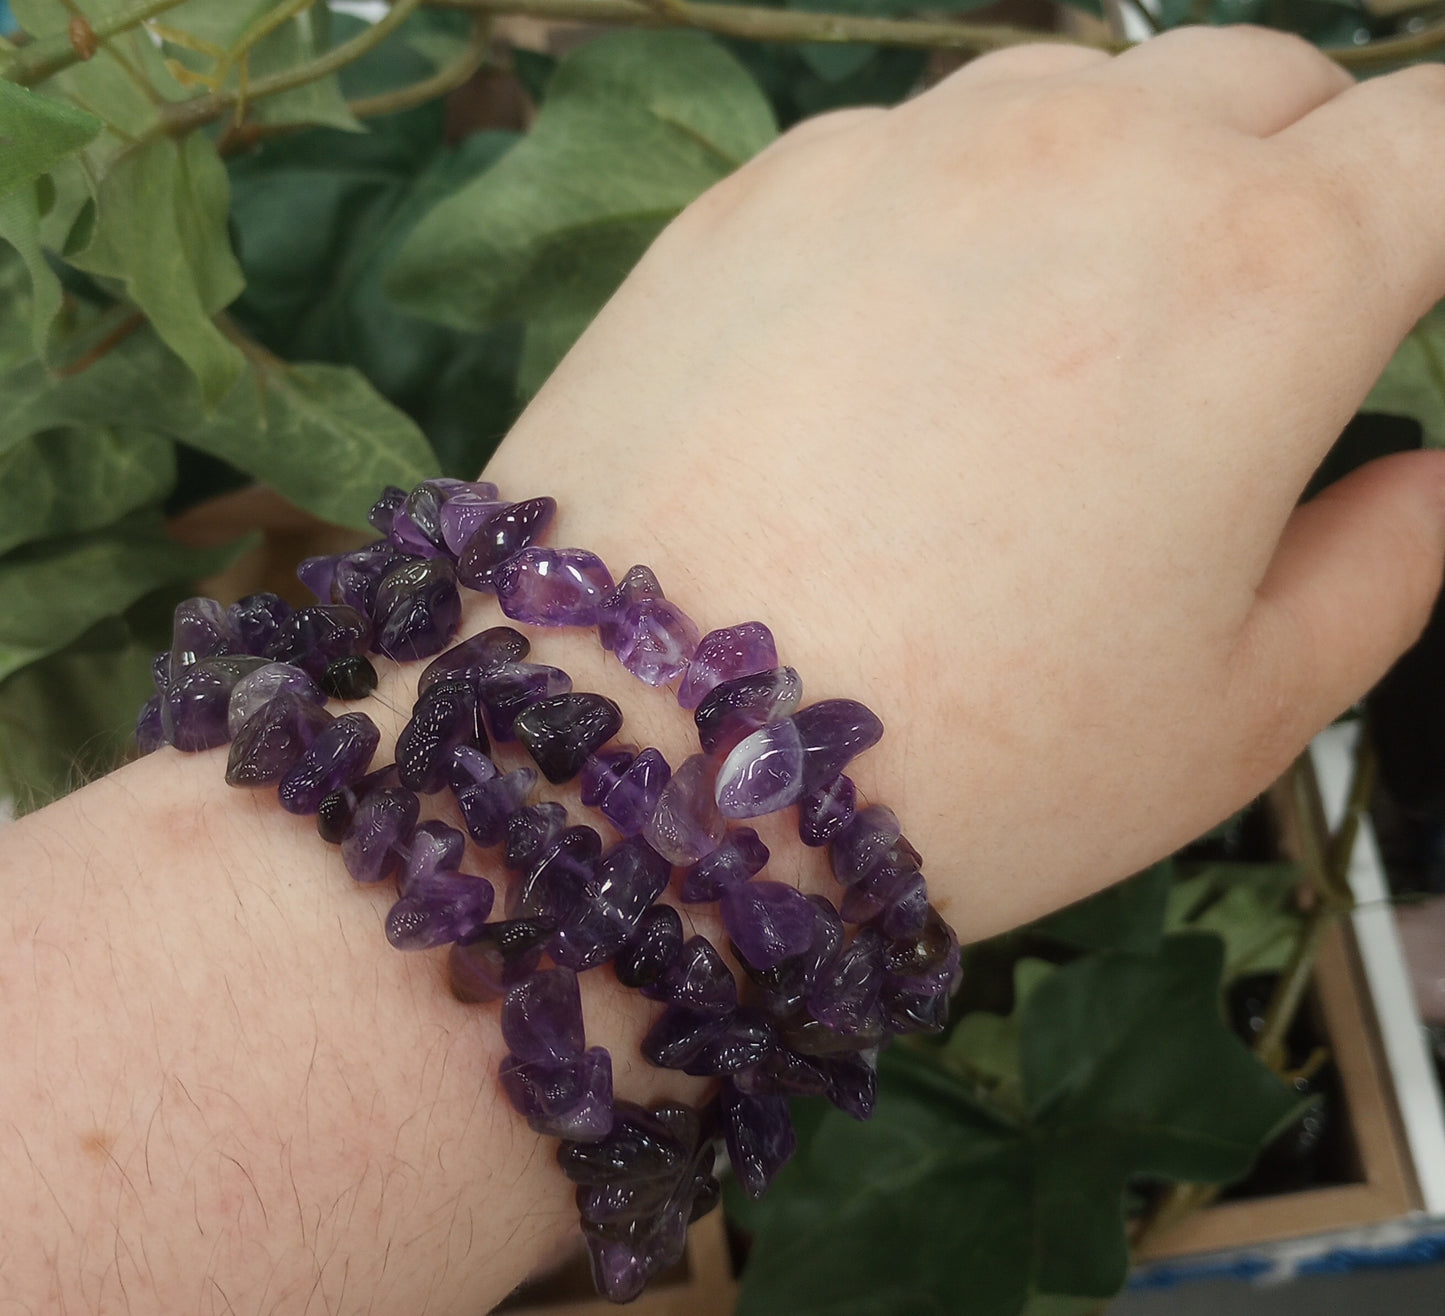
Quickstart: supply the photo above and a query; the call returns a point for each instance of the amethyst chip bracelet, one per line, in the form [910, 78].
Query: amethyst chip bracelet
[822, 987]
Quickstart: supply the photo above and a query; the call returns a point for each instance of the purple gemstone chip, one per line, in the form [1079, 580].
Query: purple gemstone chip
[512, 687]
[195, 705]
[636, 585]
[562, 732]
[733, 710]
[553, 586]
[198, 630]
[686, 824]
[760, 1138]
[650, 951]
[442, 719]
[487, 806]
[741, 855]
[380, 830]
[768, 922]
[697, 978]
[655, 641]
[481, 655]
[417, 609]
[273, 739]
[542, 1017]
[255, 690]
[631, 802]
[603, 771]
[340, 754]
[563, 1099]
[254, 620]
[439, 908]
[725, 655]
[626, 882]
[825, 812]
[505, 533]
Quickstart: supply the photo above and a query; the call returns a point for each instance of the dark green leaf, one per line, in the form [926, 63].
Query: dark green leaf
[20, 227]
[160, 231]
[68, 481]
[635, 125]
[1250, 907]
[1413, 384]
[534, 70]
[1126, 916]
[50, 594]
[1127, 1069]
[36, 133]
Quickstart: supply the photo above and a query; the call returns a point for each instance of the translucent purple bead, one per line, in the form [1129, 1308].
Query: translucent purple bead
[786, 986]
[434, 848]
[462, 515]
[254, 620]
[556, 880]
[725, 655]
[359, 574]
[708, 1045]
[603, 771]
[149, 735]
[768, 921]
[442, 719]
[741, 855]
[553, 586]
[194, 707]
[481, 968]
[563, 1099]
[774, 767]
[530, 831]
[502, 535]
[655, 641]
[273, 739]
[315, 636]
[686, 824]
[380, 830]
[650, 951]
[256, 689]
[340, 754]
[486, 806]
[845, 997]
[760, 1138]
[349, 678]
[481, 655]
[336, 810]
[513, 687]
[735, 709]
[637, 584]
[318, 574]
[418, 609]
[384, 508]
[542, 1017]
[825, 812]
[627, 880]
[416, 524]
[640, 1148]
[697, 978]
[562, 732]
[863, 844]
[439, 908]
[633, 798]
[198, 630]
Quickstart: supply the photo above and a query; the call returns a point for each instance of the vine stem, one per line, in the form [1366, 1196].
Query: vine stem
[182, 116]
[50, 55]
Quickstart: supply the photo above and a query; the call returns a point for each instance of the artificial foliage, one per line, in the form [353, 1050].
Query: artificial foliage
[249, 241]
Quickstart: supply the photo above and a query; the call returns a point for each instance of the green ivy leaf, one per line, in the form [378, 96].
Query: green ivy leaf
[1126, 916]
[69, 481]
[317, 434]
[1250, 907]
[1413, 384]
[52, 593]
[36, 133]
[1127, 1068]
[635, 125]
[20, 227]
[160, 230]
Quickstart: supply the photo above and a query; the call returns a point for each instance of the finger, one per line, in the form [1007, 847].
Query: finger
[1350, 588]
[1249, 78]
[1040, 59]
[1376, 150]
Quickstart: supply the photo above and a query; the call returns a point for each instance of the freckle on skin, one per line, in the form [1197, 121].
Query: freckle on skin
[96, 1144]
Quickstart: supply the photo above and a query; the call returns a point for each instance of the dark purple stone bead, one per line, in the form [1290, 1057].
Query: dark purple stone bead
[725, 655]
[349, 678]
[509, 530]
[651, 949]
[655, 641]
[560, 733]
[418, 609]
[380, 830]
[639, 1149]
[542, 1017]
[443, 718]
[500, 954]
[254, 620]
[760, 1138]
[554, 884]
[914, 1012]
[563, 1099]
[686, 824]
[697, 978]
[853, 1082]
[199, 630]
[626, 882]
[637, 584]
[439, 908]
[336, 810]
[341, 753]
[619, 1271]
[416, 524]
[632, 801]
[783, 1073]
[825, 812]
[161, 671]
[273, 739]
[786, 986]
[845, 997]
[602, 771]
[318, 574]
[384, 508]
[195, 705]
[622, 1203]
[741, 855]
[892, 879]
[708, 1046]
[470, 767]
[734, 710]
[149, 735]
[483, 654]
[809, 1037]
[315, 636]
[257, 689]
[359, 573]
[515, 686]
[552, 586]
[864, 843]
[774, 767]
[679, 1035]
[922, 952]
[768, 922]
[462, 515]
[434, 848]
[487, 807]
[907, 909]
[532, 830]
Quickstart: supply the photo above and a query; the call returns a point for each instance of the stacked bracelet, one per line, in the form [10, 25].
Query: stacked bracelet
[823, 987]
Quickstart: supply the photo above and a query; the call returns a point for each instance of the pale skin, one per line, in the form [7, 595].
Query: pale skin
[996, 407]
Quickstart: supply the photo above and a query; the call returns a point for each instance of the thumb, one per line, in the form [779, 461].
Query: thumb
[1349, 589]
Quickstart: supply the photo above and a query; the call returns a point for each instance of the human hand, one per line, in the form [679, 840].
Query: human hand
[997, 406]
